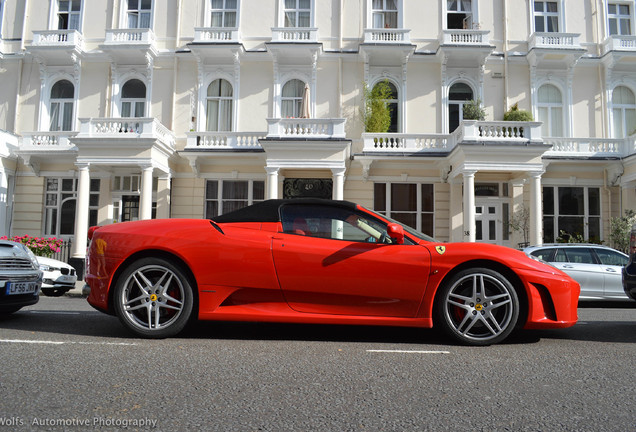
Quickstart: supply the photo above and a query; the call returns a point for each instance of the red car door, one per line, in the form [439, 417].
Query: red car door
[333, 276]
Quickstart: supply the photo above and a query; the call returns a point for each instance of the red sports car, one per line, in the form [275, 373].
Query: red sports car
[318, 261]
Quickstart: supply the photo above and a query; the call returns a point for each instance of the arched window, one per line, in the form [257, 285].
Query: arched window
[219, 106]
[392, 102]
[62, 99]
[550, 109]
[291, 99]
[623, 112]
[457, 95]
[133, 99]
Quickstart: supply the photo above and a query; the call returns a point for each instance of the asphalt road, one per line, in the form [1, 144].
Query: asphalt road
[64, 366]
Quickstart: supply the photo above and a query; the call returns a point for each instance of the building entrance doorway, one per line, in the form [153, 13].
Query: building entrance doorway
[307, 188]
[488, 221]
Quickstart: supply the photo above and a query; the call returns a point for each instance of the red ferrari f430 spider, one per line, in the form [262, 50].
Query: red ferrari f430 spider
[318, 261]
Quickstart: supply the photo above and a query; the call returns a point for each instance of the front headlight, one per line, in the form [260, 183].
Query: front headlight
[46, 268]
[34, 259]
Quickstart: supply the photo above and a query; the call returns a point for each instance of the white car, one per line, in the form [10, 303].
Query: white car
[59, 277]
[595, 267]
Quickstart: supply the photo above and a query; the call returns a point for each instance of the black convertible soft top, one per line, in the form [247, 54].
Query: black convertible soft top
[268, 211]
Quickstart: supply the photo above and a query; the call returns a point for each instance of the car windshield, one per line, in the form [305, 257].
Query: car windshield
[407, 228]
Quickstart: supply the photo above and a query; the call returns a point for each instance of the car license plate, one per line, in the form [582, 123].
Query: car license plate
[21, 288]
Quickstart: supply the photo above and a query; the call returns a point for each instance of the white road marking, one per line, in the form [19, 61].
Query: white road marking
[409, 351]
[55, 312]
[27, 341]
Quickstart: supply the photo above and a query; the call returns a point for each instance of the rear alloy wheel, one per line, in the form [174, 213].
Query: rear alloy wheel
[153, 298]
[478, 306]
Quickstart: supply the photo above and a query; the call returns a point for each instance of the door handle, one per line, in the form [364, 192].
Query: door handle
[611, 270]
[568, 266]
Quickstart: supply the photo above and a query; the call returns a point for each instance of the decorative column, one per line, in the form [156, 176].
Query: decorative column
[81, 220]
[536, 219]
[469, 206]
[145, 204]
[455, 209]
[338, 183]
[163, 196]
[272, 182]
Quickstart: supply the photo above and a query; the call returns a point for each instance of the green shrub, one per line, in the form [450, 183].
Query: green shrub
[376, 113]
[473, 111]
[515, 114]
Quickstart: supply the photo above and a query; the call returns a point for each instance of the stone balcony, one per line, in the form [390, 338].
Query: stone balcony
[126, 129]
[137, 36]
[555, 40]
[469, 132]
[387, 36]
[225, 141]
[57, 47]
[306, 128]
[204, 35]
[294, 35]
[131, 46]
[465, 37]
[600, 148]
[47, 141]
[619, 43]
[58, 38]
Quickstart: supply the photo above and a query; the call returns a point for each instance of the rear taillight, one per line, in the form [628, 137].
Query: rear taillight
[91, 230]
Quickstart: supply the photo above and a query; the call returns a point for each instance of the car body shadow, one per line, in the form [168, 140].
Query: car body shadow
[96, 324]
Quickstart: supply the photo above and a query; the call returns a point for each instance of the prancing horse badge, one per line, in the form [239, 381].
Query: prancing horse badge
[440, 249]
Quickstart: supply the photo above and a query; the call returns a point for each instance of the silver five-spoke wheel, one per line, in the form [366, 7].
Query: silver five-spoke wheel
[478, 307]
[153, 298]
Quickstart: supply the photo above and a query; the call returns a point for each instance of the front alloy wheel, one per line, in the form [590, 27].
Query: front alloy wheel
[478, 307]
[153, 298]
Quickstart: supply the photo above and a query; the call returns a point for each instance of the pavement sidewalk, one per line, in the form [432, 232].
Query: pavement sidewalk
[79, 290]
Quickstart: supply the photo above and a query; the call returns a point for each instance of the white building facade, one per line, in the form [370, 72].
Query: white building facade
[135, 109]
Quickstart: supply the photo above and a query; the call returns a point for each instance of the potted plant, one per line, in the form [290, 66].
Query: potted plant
[376, 113]
[473, 110]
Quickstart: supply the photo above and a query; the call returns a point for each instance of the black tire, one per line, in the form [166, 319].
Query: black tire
[154, 298]
[53, 292]
[477, 306]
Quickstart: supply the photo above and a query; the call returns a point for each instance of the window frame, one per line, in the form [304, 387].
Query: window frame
[471, 15]
[296, 100]
[550, 106]
[62, 197]
[283, 13]
[125, 12]
[419, 212]
[55, 12]
[559, 14]
[558, 214]
[210, 10]
[133, 101]
[218, 198]
[460, 103]
[219, 99]
[625, 132]
[619, 17]
[382, 12]
[62, 103]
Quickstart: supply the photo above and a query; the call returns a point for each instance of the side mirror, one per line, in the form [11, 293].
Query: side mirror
[396, 232]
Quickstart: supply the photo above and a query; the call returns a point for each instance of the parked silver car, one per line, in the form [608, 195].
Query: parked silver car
[595, 267]
[20, 277]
